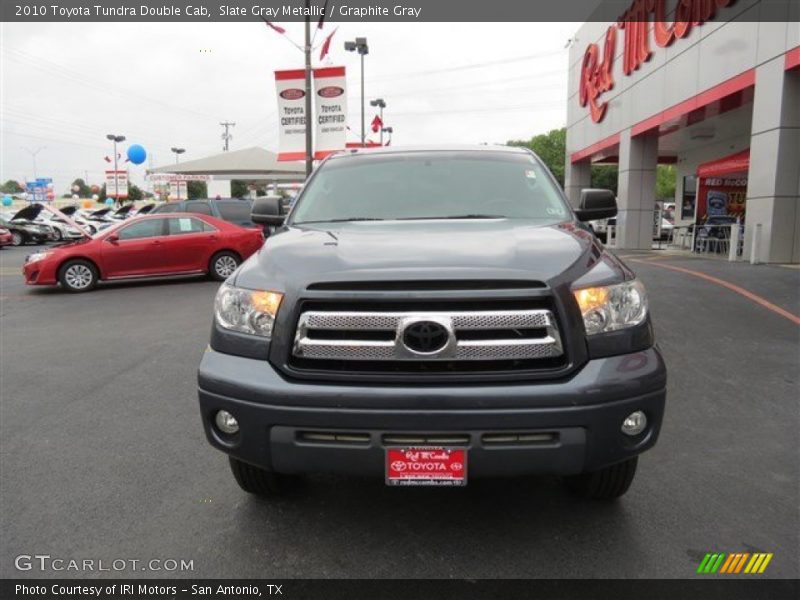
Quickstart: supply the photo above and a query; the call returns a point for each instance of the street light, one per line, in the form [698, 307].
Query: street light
[178, 152]
[360, 46]
[388, 130]
[33, 154]
[381, 104]
[116, 139]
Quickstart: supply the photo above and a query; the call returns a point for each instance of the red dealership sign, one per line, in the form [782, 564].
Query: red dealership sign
[597, 72]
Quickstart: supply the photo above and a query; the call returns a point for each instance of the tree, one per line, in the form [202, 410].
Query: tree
[83, 190]
[605, 177]
[239, 188]
[134, 193]
[196, 189]
[551, 147]
[665, 182]
[11, 187]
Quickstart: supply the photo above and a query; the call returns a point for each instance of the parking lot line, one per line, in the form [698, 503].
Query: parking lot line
[726, 284]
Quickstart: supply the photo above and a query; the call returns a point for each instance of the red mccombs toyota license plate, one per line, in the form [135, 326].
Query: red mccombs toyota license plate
[426, 466]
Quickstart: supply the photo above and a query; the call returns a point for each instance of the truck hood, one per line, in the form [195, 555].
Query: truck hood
[458, 249]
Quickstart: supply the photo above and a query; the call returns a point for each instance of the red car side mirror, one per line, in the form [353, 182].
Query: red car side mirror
[113, 238]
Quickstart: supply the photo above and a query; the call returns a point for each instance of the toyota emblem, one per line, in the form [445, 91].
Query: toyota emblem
[425, 337]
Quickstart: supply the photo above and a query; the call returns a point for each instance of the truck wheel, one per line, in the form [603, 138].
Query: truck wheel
[254, 480]
[605, 484]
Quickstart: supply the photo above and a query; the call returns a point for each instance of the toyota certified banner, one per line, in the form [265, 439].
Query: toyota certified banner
[117, 184]
[291, 114]
[330, 101]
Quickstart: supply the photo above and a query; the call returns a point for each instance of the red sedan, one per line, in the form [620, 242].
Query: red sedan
[147, 246]
[5, 237]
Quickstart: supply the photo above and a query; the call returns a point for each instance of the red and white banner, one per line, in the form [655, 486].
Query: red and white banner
[330, 99]
[178, 177]
[178, 190]
[116, 184]
[290, 86]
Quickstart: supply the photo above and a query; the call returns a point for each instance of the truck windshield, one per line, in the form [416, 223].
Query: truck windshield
[431, 185]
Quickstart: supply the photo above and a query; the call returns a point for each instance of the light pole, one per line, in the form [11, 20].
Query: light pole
[116, 139]
[178, 152]
[33, 154]
[381, 104]
[360, 46]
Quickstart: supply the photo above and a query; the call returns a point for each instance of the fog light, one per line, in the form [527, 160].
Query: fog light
[634, 423]
[226, 422]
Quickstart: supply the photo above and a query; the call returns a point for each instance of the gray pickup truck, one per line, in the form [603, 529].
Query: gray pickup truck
[427, 316]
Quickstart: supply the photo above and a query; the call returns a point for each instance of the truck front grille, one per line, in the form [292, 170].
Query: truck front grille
[427, 340]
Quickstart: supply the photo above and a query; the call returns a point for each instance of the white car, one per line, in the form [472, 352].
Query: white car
[62, 229]
[75, 214]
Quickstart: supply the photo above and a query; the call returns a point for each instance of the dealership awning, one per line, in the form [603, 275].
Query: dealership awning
[251, 164]
[727, 165]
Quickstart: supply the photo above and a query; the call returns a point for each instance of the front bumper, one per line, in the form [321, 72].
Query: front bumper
[41, 272]
[582, 416]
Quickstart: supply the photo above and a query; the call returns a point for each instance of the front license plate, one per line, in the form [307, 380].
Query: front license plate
[426, 466]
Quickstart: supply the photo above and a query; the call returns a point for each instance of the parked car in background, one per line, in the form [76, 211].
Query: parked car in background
[5, 237]
[73, 213]
[143, 210]
[100, 217]
[233, 210]
[24, 230]
[666, 228]
[600, 228]
[123, 212]
[147, 246]
[61, 229]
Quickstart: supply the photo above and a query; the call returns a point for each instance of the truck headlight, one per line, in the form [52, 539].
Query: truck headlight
[248, 311]
[612, 307]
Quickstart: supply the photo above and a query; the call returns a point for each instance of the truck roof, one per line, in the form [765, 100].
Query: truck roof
[429, 149]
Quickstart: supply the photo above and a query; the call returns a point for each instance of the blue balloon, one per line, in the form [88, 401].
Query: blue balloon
[136, 154]
[7, 200]
[109, 201]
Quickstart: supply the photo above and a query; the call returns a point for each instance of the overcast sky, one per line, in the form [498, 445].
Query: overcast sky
[66, 85]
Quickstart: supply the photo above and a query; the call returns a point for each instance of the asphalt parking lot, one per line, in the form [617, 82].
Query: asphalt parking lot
[103, 455]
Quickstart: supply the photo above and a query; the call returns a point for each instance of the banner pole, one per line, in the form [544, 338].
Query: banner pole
[309, 119]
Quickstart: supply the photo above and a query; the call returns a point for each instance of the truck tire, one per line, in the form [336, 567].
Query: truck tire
[255, 480]
[606, 484]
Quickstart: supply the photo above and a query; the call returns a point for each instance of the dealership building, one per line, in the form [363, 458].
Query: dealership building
[709, 87]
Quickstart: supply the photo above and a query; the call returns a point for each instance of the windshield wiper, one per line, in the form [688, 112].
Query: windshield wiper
[470, 216]
[349, 220]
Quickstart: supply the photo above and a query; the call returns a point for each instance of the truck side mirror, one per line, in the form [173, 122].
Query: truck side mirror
[596, 204]
[267, 211]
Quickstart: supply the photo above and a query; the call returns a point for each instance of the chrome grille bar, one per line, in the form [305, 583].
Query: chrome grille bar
[309, 344]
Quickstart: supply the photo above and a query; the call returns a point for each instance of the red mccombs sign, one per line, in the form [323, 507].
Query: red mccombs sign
[597, 71]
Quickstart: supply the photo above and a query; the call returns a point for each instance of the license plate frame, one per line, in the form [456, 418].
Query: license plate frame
[437, 466]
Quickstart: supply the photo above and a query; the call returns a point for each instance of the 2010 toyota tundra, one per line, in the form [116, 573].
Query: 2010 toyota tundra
[427, 316]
